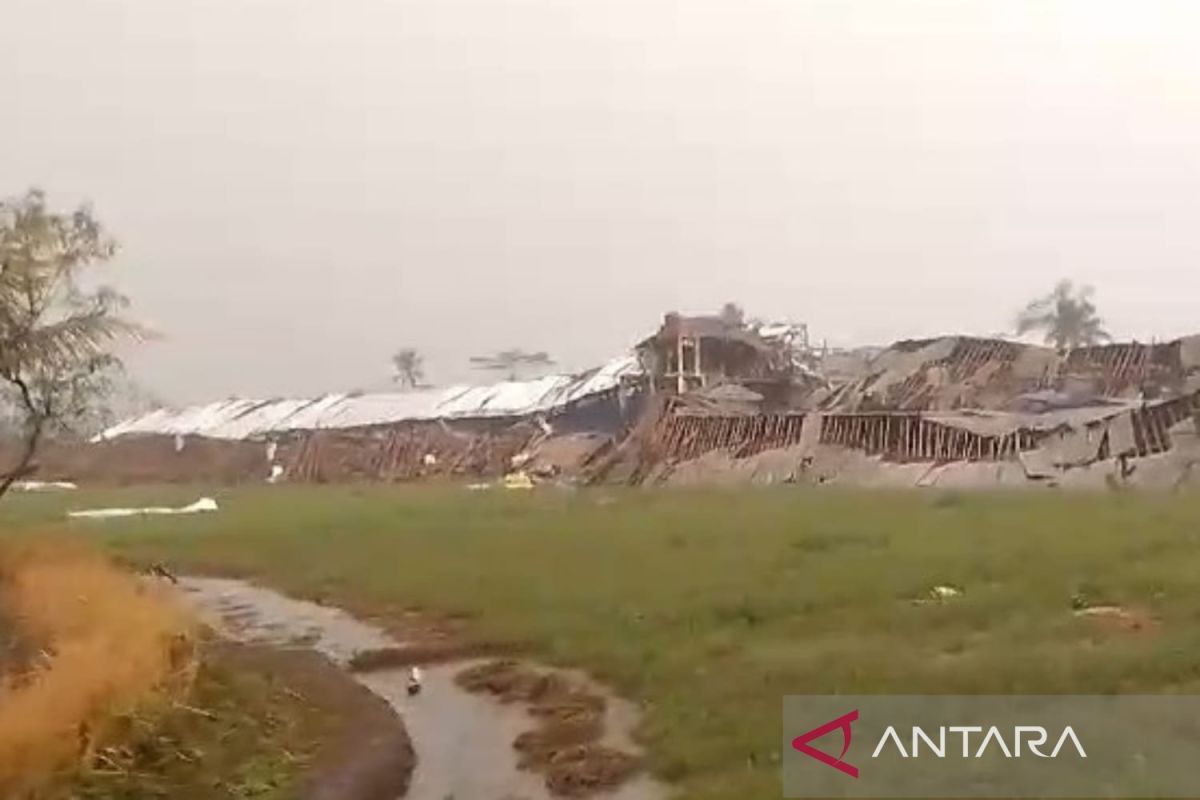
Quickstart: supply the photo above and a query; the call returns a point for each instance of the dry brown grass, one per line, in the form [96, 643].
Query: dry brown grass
[110, 645]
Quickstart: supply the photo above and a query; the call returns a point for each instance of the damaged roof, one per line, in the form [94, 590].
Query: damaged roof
[954, 372]
[241, 419]
[704, 327]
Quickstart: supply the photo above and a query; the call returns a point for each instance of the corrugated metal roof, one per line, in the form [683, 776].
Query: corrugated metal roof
[240, 419]
[263, 417]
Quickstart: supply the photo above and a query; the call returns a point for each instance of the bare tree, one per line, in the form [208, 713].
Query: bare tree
[55, 335]
[512, 362]
[1067, 316]
[410, 367]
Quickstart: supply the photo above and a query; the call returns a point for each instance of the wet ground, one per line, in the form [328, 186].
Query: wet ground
[463, 741]
[363, 752]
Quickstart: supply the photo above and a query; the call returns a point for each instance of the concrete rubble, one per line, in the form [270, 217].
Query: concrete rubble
[955, 412]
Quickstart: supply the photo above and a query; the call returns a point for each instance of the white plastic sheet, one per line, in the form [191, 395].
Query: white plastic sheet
[203, 505]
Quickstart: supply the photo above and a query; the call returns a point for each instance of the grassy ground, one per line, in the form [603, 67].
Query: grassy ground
[101, 698]
[241, 735]
[709, 607]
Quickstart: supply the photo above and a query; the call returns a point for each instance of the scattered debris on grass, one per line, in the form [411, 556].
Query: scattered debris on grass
[939, 594]
[43, 486]
[204, 504]
[518, 480]
[1118, 617]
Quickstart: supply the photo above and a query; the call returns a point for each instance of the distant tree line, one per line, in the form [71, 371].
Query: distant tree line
[408, 365]
[1066, 317]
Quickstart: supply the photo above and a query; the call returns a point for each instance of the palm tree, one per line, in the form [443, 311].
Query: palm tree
[512, 362]
[1067, 316]
[410, 367]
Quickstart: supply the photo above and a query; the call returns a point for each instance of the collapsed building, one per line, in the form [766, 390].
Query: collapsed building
[708, 401]
[952, 411]
[549, 426]
[766, 367]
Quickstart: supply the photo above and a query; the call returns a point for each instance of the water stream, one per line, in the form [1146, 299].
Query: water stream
[463, 741]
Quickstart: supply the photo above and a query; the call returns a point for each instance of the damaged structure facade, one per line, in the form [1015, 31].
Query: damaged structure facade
[953, 411]
[707, 401]
[551, 425]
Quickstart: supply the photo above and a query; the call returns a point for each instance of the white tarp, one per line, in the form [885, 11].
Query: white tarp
[202, 505]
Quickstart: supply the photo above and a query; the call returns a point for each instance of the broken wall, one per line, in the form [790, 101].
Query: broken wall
[924, 449]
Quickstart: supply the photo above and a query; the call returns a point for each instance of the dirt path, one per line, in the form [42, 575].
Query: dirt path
[464, 736]
[365, 753]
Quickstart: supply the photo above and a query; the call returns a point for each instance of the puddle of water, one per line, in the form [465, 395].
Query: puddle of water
[463, 741]
[248, 613]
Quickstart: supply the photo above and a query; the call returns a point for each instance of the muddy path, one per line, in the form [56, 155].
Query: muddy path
[464, 730]
[364, 754]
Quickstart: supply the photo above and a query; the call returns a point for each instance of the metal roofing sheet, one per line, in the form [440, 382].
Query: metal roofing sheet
[310, 416]
[261, 417]
[239, 419]
[206, 417]
[508, 399]
[375, 409]
[601, 379]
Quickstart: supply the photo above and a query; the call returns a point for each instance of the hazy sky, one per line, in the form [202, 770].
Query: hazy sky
[301, 186]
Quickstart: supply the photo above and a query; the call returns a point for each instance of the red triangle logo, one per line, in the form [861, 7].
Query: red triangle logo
[801, 743]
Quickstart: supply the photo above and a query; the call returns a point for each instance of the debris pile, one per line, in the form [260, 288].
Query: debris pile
[955, 411]
[404, 452]
[956, 372]
[817, 447]
[706, 400]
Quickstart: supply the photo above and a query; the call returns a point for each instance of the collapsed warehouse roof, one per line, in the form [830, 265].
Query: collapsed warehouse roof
[243, 419]
[1153, 444]
[955, 372]
[949, 411]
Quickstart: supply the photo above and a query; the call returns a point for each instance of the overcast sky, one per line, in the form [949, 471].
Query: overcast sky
[300, 187]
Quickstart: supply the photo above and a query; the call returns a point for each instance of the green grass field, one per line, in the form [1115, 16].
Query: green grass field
[709, 607]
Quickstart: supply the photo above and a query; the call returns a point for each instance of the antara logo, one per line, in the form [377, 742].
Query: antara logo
[801, 743]
[1033, 737]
